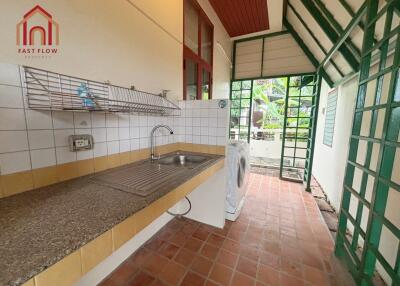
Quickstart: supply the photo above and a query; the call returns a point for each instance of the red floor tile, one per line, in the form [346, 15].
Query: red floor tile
[193, 279]
[279, 239]
[221, 274]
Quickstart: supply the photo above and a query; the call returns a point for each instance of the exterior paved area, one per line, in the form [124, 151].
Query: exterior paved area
[280, 239]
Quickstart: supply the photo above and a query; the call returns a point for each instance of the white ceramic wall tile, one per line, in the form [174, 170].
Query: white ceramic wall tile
[64, 155]
[135, 145]
[124, 146]
[143, 132]
[212, 140]
[111, 120]
[133, 120]
[81, 131]
[61, 137]
[123, 133]
[134, 132]
[112, 134]
[99, 135]
[63, 120]
[12, 119]
[204, 139]
[84, 155]
[123, 120]
[144, 143]
[196, 139]
[9, 74]
[11, 96]
[112, 147]
[143, 120]
[14, 162]
[98, 119]
[40, 139]
[82, 120]
[43, 158]
[38, 119]
[11, 141]
[100, 149]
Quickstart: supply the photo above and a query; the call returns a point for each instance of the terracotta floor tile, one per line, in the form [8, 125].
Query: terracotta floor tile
[193, 279]
[216, 240]
[169, 250]
[124, 272]
[193, 244]
[247, 266]
[154, 244]
[173, 273]
[184, 257]
[201, 265]
[268, 275]
[139, 257]
[201, 234]
[178, 238]
[211, 283]
[155, 264]
[270, 259]
[227, 258]
[292, 267]
[141, 279]
[279, 239]
[221, 274]
[287, 280]
[315, 276]
[209, 251]
[240, 279]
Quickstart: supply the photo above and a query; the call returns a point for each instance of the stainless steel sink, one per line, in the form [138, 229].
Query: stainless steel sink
[185, 160]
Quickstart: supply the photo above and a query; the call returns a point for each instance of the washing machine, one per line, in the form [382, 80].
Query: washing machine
[238, 166]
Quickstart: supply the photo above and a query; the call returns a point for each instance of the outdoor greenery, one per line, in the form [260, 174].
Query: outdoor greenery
[268, 102]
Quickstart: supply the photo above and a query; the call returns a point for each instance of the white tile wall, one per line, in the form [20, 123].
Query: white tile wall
[36, 139]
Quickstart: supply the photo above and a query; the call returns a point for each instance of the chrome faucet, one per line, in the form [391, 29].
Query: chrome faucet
[152, 139]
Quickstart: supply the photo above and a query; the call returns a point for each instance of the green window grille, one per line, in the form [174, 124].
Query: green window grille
[372, 184]
[330, 115]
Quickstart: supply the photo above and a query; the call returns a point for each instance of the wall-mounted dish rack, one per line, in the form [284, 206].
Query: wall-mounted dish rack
[47, 90]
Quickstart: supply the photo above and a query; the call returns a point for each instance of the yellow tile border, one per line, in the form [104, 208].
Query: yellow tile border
[16, 183]
[71, 268]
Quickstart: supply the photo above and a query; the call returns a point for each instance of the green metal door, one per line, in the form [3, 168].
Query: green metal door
[240, 112]
[301, 105]
[369, 221]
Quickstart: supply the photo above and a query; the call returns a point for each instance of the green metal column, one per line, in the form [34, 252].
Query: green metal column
[374, 153]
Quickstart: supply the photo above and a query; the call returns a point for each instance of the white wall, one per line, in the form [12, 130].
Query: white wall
[134, 42]
[330, 162]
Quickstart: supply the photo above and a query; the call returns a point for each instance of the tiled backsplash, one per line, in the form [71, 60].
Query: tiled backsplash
[33, 139]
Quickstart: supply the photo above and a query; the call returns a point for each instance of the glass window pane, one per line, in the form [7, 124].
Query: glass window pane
[191, 37]
[206, 42]
[191, 79]
[205, 88]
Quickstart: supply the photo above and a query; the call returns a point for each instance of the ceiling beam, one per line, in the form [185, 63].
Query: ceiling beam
[308, 53]
[331, 33]
[314, 38]
[353, 23]
[336, 25]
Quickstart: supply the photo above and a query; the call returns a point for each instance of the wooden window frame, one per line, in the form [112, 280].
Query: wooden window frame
[197, 58]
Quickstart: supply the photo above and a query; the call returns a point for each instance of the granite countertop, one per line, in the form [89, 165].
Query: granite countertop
[41, 227]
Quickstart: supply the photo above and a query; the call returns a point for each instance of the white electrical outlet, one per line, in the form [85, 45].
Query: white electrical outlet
[80, 142]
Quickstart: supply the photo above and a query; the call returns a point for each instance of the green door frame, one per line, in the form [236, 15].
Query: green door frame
[241, 96]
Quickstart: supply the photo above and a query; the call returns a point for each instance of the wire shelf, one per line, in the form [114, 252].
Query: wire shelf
[47, 90]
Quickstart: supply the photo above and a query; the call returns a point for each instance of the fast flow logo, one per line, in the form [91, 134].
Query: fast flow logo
[38, 33]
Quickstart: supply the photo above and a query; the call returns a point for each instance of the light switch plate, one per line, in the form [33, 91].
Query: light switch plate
[80, 142]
